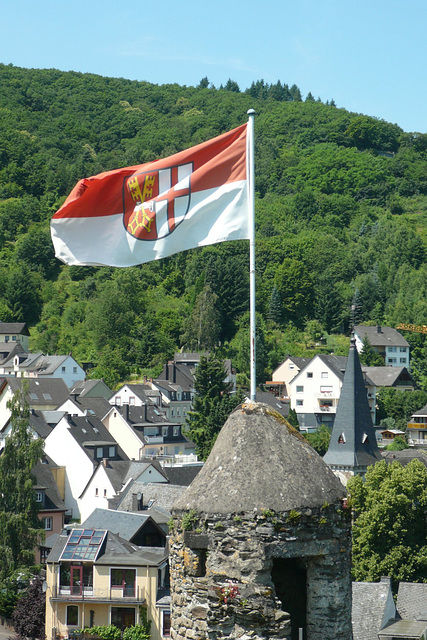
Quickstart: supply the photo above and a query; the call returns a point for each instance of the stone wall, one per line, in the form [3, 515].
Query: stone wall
[226, 570]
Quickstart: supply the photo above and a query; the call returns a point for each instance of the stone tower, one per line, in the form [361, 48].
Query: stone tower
[353, 445]
[260, 544]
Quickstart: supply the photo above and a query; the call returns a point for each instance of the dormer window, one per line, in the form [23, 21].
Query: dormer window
[341, 439]
[39, 496]
[365, 438]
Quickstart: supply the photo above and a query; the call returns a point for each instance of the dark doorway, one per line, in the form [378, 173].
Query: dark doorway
[289, 576]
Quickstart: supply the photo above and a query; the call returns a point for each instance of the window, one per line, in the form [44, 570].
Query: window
[300, 389]
[132, 400]
[392, 360]
[176, 431]
[402, 349]
[99, 452]
[63, 369]
[402, 360]
[74, 369]
[165, 431]
[341, 439]
[392, 349]
[172, 413]
[72, 615]
[309, 374]
[47, 523]
[105, 493]
[111, 452]
[117, 401]
[324, 374]
[124, 579]
[96, 491]
[39, 496]
[123, 617]
[178, 412]
[166, 623]
[13, 338]
[300, 403]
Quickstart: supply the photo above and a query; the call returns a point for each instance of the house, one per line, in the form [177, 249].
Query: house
[96, 577]
[386, 377]
[405, 456]
[37, 365]
[283, 374]
[386, 341]
[111, 477]
[136, 395]
[14, 332]
[145, 431]
[417, 428]
[41, 395]
[51, 505]
[77, 405]
[80, 444]
[316, 389]
[388, 435]
[91, 389]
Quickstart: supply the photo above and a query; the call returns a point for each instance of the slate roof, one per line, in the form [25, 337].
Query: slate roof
[372, 608]
[115, 551]
[51, 391]
[119, 472]
[260, 462]
[353, 442]
[179, 374]
[14, 327]
[126, 525]
[182, 476]
[98, 407]
[412, 600]
[405, 629]
[39, 425]
[388, 376]
[50, 417]
[381, 336]
[405, 456]
[84, 387]
[268, 398]
[44, 479]
[146, 414]
[420, 412]
[163, 495]
[9, 350]
[89, 432]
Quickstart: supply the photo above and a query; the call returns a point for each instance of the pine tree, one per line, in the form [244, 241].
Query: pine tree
[212, 405]
[20, 528]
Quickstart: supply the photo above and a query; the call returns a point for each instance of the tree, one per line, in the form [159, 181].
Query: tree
[28, 618]
[212, 404]
[202, 328]
[319, 440]
[398, 444]
[368, 355]
[389, 532]
[20, 528]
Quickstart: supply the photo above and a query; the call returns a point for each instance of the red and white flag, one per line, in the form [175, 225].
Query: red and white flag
[137, 214]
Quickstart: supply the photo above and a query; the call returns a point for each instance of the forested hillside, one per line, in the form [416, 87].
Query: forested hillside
[340, 212]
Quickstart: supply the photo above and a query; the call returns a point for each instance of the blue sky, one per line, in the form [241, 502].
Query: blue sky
[368, 55]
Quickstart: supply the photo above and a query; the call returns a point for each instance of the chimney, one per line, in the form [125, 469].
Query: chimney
[379, 329]
[167, 371]
[145, 412]
[105, 462]
[126, 412]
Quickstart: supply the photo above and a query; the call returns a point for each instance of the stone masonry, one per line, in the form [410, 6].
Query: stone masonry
[278, 559]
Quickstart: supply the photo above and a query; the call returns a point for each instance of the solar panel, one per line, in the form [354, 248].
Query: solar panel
[83, 544]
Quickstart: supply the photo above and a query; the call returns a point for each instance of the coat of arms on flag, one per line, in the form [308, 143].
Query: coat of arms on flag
[156, 202]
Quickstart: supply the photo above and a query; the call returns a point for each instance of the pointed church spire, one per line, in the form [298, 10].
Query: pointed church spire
[353, 445]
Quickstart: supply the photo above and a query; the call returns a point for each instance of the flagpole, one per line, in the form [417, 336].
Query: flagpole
[251, 214]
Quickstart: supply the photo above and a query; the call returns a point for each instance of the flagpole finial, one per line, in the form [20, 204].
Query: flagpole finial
[251, 112]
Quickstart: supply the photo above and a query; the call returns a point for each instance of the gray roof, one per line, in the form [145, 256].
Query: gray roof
[44, 480]
[381, 336]
[372, 608]
[420, 412]
[14, 327]
[388, 376]
[268, 398]
[412, 600]
[175, 373]
[39, 424]
[405, 629]
[353, 442]
[405, 456]
[9, 349]
[126, 525]
[90, 432]
[98, 407]
[41, 391]
[43, 365]
[162, 494]
[115, 551]
[298, 362]
[86, 388]
[260, 462]
[182, 476]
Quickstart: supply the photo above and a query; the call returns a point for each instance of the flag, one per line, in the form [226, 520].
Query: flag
[137, 214]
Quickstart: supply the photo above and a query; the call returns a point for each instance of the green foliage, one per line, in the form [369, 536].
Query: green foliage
[319, 440]
[369, 356]
[399, 405]
[20, 528]
[106, 632]
[389, 533]
[212, 405]
[189, 519]
[398, 444]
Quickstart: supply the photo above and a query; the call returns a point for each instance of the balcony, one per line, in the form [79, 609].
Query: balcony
[96, 594]
[417, 441]
[417, 425]
[153, 439]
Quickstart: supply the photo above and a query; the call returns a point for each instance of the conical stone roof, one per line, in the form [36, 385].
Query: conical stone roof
[260, 462]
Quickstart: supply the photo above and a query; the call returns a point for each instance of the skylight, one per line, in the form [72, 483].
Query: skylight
[83, 544]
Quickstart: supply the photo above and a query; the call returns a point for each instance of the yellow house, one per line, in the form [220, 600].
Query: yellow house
[95, 577]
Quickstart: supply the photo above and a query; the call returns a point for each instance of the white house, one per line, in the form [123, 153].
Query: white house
[316, 389]
[283, 374]
[386, 341]
[15, 332]
[37, 365]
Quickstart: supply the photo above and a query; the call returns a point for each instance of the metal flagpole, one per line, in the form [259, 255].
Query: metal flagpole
[251, 213]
